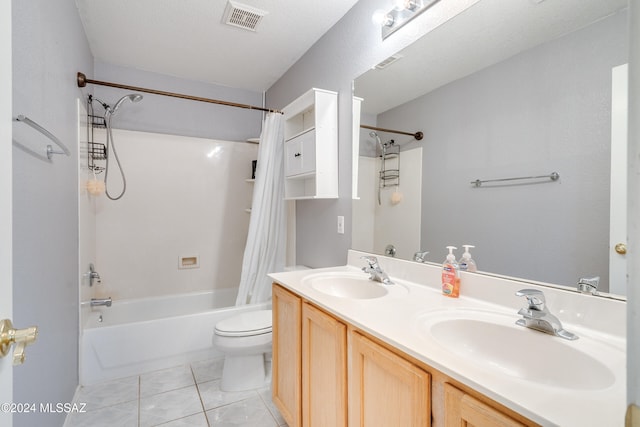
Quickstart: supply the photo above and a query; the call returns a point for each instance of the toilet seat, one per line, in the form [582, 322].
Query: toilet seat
[245, 324]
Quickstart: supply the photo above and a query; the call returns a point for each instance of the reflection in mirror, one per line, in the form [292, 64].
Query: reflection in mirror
[503, 90]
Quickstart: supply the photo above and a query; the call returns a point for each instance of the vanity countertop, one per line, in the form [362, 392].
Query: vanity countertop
[401, 319]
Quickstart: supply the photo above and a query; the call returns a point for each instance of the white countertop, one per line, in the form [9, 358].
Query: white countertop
[397, 319]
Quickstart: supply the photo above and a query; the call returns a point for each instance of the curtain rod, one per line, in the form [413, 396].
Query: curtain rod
[83, 80]
[416, 135]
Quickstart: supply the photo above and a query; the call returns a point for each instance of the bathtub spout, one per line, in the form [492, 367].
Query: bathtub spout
[101, 301]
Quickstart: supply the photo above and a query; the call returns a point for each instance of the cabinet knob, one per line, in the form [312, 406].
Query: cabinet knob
[297, 155]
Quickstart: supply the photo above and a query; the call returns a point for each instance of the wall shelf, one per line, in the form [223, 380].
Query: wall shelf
[311, 146]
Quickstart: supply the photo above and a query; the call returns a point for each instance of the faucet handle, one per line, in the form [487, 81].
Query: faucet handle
[535, 298]
[589, 285]
[373, 261]
[420, 256]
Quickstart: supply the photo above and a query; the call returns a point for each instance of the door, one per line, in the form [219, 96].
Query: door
[618, 206]
[462, 409]
[286, 363]
[324, 369]
[6, 297]
[385, 389]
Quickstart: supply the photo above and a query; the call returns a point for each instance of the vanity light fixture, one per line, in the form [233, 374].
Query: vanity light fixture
[403, 12]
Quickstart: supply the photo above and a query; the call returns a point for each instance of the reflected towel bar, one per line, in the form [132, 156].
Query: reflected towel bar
[50, 151]
[553, 176]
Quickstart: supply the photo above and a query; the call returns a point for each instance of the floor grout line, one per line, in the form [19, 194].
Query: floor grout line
[139, 398]
[195, 381]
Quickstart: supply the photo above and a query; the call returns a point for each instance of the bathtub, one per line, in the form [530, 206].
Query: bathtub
[142, 335]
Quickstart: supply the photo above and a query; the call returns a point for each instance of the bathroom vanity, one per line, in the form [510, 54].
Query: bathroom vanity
[350, 351]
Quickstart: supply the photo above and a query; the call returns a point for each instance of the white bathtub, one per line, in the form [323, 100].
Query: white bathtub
[142, 335]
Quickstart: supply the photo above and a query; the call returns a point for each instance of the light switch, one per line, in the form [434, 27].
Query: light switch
[340, 224]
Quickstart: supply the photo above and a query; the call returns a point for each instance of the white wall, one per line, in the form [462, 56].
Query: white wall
[633, 309]
[6, 302]
[185, 196]
[49, 46]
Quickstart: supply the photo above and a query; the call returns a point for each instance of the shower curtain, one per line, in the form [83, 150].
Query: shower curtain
[265, 249]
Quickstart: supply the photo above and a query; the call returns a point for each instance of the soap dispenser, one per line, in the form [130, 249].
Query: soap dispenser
[466, 262]
[450, 275]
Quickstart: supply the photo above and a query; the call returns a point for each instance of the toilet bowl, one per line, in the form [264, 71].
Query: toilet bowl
[244, 339]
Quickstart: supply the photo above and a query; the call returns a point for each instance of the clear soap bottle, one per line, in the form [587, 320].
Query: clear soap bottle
[467, 263]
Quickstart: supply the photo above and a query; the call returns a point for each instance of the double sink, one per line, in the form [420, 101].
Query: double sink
[487, 339]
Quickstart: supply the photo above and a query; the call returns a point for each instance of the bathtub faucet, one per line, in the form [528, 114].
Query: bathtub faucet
[95, 302]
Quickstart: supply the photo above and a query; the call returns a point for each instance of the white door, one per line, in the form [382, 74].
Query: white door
[6, 299]
[618, 206]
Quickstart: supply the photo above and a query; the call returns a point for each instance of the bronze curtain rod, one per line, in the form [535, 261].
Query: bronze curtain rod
[416, 135]
[83, 80]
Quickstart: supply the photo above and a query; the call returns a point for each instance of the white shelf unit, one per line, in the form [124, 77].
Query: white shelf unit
[311, 146]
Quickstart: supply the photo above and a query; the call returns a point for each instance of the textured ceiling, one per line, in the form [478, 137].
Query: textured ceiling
[188, 39]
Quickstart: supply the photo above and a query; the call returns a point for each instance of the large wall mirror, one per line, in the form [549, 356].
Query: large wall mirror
[506, 89]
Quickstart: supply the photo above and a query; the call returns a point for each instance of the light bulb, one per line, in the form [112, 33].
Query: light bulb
[378, 17]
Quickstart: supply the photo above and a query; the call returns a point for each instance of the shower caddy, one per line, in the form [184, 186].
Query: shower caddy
[95, 150]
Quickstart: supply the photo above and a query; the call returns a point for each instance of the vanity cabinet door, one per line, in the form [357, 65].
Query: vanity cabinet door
[324, 369]
[286, 361]
[385, 389]
[462, 409]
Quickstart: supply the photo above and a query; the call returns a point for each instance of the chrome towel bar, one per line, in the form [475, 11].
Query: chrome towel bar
[36, 126]
[553, 176]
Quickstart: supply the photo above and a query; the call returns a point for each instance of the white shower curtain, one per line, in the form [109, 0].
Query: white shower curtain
[265, 250]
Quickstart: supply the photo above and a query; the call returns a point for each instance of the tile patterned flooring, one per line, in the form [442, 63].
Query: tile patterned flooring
[186, 395]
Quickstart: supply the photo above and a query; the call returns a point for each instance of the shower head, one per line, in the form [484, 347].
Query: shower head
[134, 97]
[374, 134]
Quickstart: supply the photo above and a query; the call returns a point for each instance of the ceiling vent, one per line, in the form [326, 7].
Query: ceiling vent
[243, 16]
[390, 60]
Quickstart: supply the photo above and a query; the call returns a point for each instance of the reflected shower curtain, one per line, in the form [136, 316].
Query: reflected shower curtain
[265, 249]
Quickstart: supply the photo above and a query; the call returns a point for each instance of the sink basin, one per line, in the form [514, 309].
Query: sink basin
[492, 341]
[350, 285]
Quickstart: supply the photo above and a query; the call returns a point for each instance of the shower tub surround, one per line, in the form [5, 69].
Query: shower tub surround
[141, 335]
[186, 198]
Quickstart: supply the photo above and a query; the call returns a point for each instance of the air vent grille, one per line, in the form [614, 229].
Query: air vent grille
[390, 60]
[243, 16]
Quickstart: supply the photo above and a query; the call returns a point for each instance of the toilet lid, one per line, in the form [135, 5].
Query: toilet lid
[245, 324]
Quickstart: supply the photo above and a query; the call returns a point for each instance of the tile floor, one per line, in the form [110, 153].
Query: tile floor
[186, 395]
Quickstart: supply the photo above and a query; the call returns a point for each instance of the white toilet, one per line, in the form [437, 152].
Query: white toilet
[244, 339]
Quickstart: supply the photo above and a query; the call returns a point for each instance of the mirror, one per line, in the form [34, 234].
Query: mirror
[503, 90]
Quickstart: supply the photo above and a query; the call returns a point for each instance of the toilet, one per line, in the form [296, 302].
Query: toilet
[244, 339]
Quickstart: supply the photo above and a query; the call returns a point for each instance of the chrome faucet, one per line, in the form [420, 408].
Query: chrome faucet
[537, 316]
[95, 302]
[420, 256]
[589, 285]
[374, 270]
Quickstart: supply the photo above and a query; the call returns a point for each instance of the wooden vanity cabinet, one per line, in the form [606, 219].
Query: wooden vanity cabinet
[309, 384]
[327, 373]
[385, 389]
[286, 362]
[462, 409]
